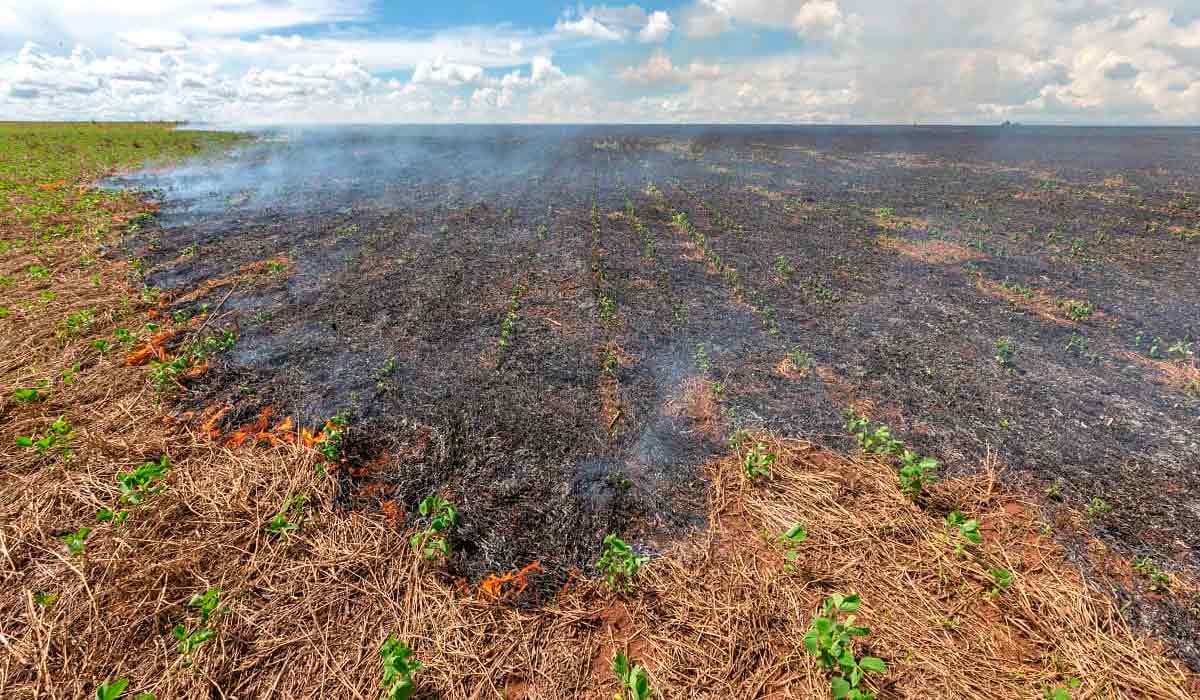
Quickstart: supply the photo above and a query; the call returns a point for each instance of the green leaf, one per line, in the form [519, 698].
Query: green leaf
[111, 691]
[873, 664]
[620, 667]
[840, 687]
[24, 442]
[641, 684]
[850, 603]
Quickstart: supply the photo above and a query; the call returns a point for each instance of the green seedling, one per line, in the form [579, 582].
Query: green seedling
[634, 682]
[101, 345]
[968, 531]
[140, 483]
[190, 641]
[619, 563]
[1098, 508]
[916, 473]
[1001, 580]
[289, 516]
[26, 395]
[1159, 581]
[163, 375]
[208, 604]
[111, 690]
[1005, 351]
[1078, 310]
[791, 541]
[108, 515]
[872, 441]
[703, 363]
[608, 308]
[57, 437]
[336, 429]
[1061, 692]
[784, 268]
[398, 669]
[45, 600]
[831, 641]
[76, 542]
[801, 360]
[38, 272]
[758, 462]
[433, 542]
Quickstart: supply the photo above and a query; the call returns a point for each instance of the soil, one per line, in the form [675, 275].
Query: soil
[909, 253]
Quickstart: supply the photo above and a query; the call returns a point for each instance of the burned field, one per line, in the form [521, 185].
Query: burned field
[556, 327]
[346, 395]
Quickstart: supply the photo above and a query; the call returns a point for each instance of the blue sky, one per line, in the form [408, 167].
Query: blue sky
[778, 61]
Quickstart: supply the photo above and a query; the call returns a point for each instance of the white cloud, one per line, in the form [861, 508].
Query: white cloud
[81, 19]
[659, 69]
[658, 27]
[589, 27]
[814, 19]
[154, 40]
[605, 23]
[442, 72]
[542, 70]
[1096, 61]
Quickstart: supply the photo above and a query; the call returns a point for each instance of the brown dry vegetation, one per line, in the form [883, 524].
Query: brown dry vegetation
[717, 616]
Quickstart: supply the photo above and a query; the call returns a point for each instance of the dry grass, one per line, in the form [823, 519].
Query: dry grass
[716, 617]
[932, 251]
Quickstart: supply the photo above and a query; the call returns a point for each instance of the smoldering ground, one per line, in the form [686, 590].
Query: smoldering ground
[875, 268]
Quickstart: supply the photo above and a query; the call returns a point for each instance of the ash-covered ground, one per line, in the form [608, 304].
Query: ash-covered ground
[1029, 292]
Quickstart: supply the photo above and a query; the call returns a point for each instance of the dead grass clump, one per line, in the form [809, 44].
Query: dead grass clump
[1040, 303]
[1181, 374]
[932, 251]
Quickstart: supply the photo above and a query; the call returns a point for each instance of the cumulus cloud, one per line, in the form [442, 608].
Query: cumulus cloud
[660, 69]
[605, 23]
[658, 27]
[1095, 61]
[588, 26]
[154, 40]
[814, 19]
[442, 72]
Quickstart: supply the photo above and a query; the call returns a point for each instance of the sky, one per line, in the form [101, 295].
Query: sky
[539, 61]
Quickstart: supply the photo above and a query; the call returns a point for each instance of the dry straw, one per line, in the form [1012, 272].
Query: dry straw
[718, 617]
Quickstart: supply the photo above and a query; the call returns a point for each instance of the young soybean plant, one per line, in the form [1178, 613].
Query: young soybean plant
[209, 605]
[432, 541]
[916, 472]
[398, 669]
[115, 689]
[832, 641]
[877, 441]
[619, 564]
[139, 484]
[758, 462]
[635, 684]
[791, 541]
[968, 531]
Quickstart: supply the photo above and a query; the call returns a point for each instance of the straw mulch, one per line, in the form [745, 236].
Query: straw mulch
[719, 616]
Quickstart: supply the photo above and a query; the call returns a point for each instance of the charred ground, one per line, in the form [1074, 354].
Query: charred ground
[395, 256]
